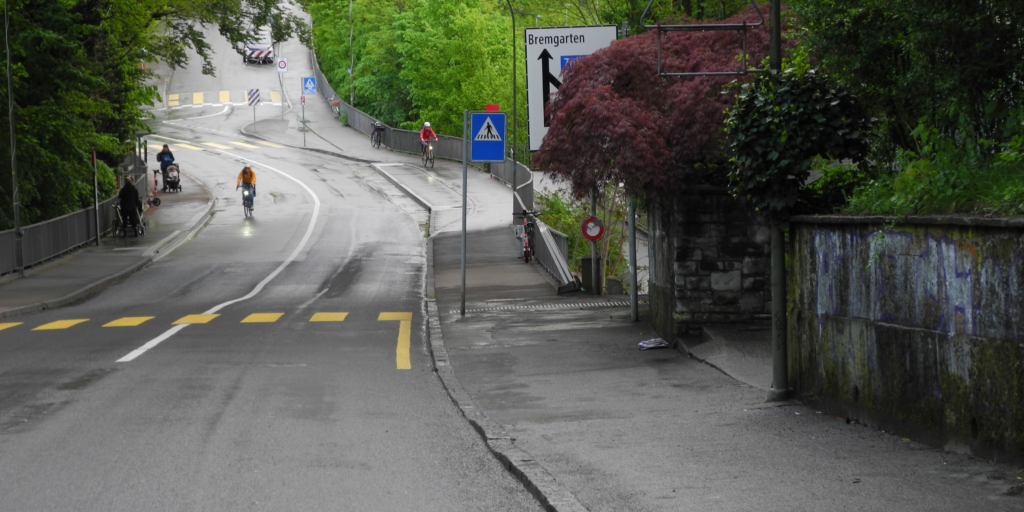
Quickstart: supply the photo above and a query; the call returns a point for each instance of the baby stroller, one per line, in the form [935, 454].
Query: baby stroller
[258, 54]
[172, 179]
[122, 222]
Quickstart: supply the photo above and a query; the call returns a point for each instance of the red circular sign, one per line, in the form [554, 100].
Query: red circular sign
[302, 99]
[592, 228]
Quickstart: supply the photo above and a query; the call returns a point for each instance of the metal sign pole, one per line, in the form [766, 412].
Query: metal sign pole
[465, 173]
[593, 248]
[634, 292]
[303, 124]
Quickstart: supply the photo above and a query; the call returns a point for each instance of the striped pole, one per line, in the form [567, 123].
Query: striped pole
[254, 98]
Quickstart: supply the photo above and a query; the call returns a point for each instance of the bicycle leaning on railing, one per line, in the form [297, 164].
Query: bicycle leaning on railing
[528, 232]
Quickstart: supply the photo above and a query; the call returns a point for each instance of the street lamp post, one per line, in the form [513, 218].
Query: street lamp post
[515, 166]
[18, 263]
[351, 59]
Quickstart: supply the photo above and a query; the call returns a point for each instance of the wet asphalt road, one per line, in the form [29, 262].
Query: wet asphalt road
[313, 392]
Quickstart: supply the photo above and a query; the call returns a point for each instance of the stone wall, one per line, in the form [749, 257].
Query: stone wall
[720, 253]
[916, 328]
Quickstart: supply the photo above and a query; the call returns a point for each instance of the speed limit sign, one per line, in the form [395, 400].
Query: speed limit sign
[592, 228]
[282, 64]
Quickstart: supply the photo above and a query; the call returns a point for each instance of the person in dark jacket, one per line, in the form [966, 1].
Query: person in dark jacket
[166, 158]
[131, 205]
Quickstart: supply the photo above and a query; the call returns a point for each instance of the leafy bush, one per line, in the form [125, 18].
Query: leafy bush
[949, 174]
[779, 125]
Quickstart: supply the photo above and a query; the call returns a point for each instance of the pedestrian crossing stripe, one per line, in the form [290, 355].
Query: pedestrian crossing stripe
[60, 324]
[271, 144]
[188, 146]
[262, 318]
[172, 100]
[8, 325]
[328, 317]
[197, 98]
[129, 321]
[224, 96]
[215, 145]
[275, 96]
[194, 319]
[244, 145]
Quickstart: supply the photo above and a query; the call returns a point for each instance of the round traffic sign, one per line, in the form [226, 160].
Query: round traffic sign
[302, 99]
[282, 64]
[592, 228]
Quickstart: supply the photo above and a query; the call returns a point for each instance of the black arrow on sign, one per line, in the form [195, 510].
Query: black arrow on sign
[547, 80]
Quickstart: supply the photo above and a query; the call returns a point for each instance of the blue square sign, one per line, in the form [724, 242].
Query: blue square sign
[487, 137]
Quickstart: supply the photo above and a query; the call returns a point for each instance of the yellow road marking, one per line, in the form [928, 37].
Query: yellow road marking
[275, 96]
[195, 319]
[172, 103]
[215, 145]
[197, 98]
[225, 97]
[244, 145]
[188, 146]
[129, 321]
[60, 324]
[172, 97]
[262, 318]
[9, 325]
[271, 144]
[404, 334]
[245, 97]
[328, 317]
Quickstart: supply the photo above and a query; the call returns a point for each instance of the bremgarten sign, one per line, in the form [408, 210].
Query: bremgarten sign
[548, 51]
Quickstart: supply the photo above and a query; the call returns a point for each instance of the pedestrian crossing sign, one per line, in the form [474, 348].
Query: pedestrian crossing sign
[309, 85]
[487, 137]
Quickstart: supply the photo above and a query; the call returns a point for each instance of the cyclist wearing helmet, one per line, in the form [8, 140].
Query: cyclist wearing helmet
[426, 135]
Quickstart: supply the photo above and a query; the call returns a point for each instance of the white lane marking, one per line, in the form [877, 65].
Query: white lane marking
[298, 249]
[222, 112]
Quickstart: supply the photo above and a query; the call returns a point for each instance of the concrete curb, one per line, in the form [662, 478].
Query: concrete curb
[105, 282]
[537, 480]
[412, 195]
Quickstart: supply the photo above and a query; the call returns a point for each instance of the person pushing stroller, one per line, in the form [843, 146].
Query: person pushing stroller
[166, 159]
[131, 206]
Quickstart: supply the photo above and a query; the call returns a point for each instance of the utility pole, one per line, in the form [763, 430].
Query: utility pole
[351, 59]
[780, 380]
[515, 165]
[18, 256]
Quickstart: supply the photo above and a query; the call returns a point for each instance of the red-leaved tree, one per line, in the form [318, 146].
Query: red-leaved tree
[614, 120]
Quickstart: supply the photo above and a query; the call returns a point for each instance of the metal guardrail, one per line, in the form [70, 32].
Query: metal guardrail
[49, 239]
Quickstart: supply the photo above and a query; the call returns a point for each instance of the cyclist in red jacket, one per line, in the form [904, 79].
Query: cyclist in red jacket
[426, 135]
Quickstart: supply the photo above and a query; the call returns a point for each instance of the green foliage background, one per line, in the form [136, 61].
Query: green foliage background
[78, 83]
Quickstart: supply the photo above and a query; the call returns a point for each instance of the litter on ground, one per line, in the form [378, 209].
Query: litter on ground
[653, 343]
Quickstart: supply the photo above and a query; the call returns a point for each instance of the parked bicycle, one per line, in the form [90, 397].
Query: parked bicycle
[377, 135]
[528, 230]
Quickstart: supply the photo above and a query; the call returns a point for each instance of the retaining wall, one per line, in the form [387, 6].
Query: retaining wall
[915, 328]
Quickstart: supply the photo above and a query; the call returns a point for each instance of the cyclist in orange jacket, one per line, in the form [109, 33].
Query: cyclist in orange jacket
[247, 179]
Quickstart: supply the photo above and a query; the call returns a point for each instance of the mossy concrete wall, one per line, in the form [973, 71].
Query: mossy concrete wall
[915, 328]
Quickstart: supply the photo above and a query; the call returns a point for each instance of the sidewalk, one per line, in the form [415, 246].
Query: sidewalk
[558, 390]
[89, 269]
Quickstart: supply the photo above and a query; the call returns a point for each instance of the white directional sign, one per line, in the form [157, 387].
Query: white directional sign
[282, 64]
[309, 85]
[548, 51]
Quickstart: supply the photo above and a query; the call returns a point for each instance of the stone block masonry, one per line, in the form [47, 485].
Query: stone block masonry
[917, 328]
[718, 272]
